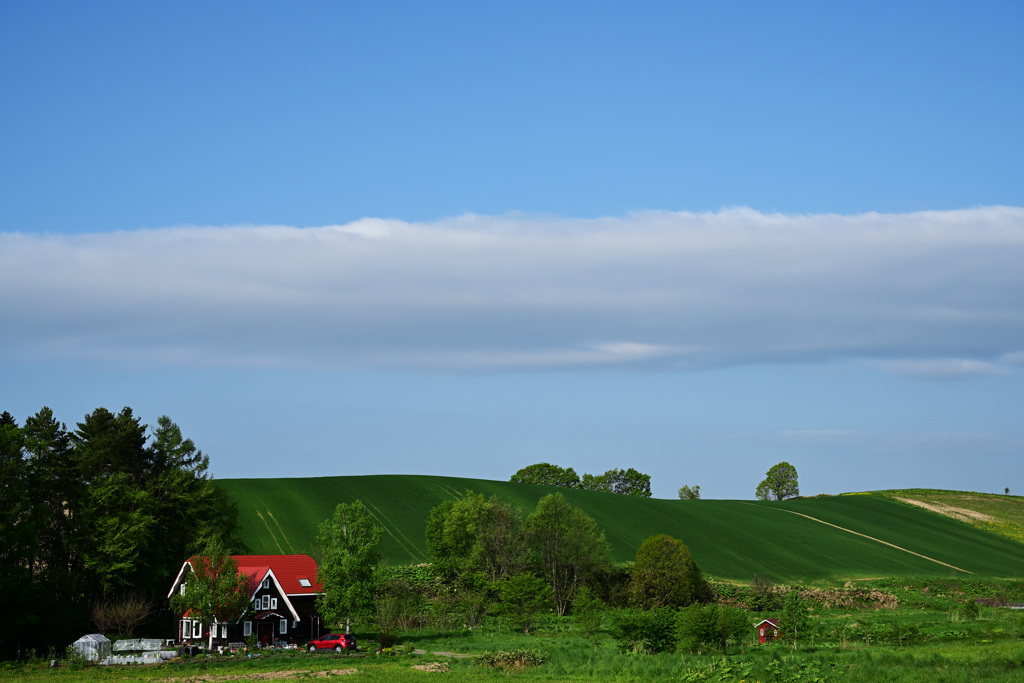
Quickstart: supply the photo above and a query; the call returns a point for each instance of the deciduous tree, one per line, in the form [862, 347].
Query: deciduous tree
[665, 574]
[569, 546]
[780, 482]
[215, 592]
[689, 493]
[347, 546]
[476, 535]
[547, 475]
[523, 597]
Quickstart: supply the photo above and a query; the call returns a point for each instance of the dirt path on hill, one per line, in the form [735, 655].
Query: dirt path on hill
[876, 540]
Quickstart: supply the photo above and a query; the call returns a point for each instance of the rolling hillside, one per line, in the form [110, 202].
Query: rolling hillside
[817, 539]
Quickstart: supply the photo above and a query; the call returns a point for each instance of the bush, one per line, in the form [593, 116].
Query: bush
[588, 611]
[512, 659]
[699, 628]
[646, 631]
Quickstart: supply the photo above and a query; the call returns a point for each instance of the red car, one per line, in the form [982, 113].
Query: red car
[333, 641]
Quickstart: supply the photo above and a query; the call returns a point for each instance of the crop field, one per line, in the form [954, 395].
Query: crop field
[822, 540]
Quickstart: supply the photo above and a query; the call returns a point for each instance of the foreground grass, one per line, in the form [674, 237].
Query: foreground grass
[953, 664]
[990, 648]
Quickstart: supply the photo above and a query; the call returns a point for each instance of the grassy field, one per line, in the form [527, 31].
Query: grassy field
[824, 540]
[1000, 514]
[846, 645]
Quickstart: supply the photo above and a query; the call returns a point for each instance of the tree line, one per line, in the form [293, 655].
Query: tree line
[92, 517]
[628, 482]
[491, 559]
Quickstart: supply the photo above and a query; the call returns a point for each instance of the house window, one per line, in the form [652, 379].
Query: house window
[186, 630]
[305, 583]
[247, 628]
[182, 590]
[266, 583]
[224, 630]
[284, 626]
[197, 629]
[273, 603]
[266, 602]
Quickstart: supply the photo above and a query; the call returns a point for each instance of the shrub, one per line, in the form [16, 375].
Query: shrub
[699, 628]
[512, 659]
[646, 631]
[588, 611]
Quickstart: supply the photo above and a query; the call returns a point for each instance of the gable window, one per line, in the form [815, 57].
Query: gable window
[284, 626]
[273, 603]
[247, 628]
[266, 602]
[266, 583]
[183, 584]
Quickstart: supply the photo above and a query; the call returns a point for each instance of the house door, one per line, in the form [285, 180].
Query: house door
[265, 630]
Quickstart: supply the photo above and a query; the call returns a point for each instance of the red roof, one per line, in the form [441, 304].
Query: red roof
[288, 569]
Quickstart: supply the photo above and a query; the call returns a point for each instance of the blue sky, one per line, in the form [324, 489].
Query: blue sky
[461, 238]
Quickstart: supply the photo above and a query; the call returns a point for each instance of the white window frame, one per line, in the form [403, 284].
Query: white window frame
[284, 626]
[197, 628]
[186, 629]
[266, 602]
[181, 591]
[266, 583]
[247, 628]
[273, 603]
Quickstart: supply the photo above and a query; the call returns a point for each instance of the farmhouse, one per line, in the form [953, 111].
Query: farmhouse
[283, 590]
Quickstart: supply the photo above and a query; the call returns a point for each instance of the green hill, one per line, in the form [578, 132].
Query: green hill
[823, 539]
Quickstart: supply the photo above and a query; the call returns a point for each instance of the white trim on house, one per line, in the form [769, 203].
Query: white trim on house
[280, 591]
[177, 579]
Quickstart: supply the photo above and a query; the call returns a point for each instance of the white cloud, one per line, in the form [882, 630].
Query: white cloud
[927, 294]
[941, 368]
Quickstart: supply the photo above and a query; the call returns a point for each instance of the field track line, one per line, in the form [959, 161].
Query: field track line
[377, 514]
[269, 531]
[278, 525]
[872, 538]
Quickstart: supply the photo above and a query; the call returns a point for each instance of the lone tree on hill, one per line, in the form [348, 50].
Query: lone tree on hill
[689, 493]
[780, 482]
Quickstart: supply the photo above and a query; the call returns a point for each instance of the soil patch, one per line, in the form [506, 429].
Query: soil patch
[962, 514]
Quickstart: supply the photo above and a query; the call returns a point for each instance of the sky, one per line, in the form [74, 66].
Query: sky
[696, 239]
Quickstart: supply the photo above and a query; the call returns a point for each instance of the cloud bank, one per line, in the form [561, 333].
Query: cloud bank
[928, 293]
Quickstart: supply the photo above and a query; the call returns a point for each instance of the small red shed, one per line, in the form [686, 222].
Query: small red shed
[767, 630]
